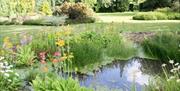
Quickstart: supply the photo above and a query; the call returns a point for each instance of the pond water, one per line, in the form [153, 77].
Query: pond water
[122, 75]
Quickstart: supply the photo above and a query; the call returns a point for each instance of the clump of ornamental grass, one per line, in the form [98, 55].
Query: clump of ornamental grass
[163, 46]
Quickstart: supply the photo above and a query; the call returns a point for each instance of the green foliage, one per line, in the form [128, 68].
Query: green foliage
[16, 7]
[122, 5]
[44, 42]
[87, 49]
[154, 4]
[173, 16]
[90, 3]
[24, 56]
[163, 46]
[150, 16]
[92, 47]
[117, 46]
[55, 83]
[45, 8]
[176, 6]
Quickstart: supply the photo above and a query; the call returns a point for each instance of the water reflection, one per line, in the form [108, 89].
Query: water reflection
[121, 75]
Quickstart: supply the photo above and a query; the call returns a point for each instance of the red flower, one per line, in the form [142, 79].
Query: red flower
[57, 54]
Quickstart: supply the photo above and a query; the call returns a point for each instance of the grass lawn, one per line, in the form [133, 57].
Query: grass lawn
[125, 27]
[117, 14]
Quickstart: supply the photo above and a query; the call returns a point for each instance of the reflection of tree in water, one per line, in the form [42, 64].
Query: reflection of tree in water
[151, 67]
[122, 65]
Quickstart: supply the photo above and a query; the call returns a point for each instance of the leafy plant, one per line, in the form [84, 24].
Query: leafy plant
[56, 83]
[25, 56]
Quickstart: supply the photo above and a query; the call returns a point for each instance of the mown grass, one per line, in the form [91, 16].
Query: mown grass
[117, 14]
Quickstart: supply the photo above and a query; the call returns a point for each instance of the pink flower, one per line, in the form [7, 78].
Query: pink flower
[42, 55]
[57, 54]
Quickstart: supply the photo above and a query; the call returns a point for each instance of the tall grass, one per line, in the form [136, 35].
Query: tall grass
[92, 47]
[164, 46]
[117, 46]
[44, 42]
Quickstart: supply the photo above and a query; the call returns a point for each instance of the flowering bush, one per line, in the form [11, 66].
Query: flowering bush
[9, 80]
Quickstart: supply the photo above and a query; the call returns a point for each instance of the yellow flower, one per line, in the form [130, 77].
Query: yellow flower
[58, 34]
[6, 39]
[67, 33]
[60, 43]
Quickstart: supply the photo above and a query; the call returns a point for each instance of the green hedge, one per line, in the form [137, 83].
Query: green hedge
[157, 16]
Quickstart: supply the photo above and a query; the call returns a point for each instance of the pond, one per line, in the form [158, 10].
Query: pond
[122, 75]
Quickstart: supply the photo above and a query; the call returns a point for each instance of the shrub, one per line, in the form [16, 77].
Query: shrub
[163, 46]
[176, 6]
[122, 5]
[45, 8]
[77, 12]
[154, 4]
[150, 16]
[55, 83]
[173, 16]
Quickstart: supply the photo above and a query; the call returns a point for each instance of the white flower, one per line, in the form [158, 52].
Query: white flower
[6, 74]
[16, 74]
[178, 80]
[176, 64]
[179, 67]
[10, 66]
[1, 64]
[171, 61]
[168, 80]
[2, 71]
[172, 77]
[6, 63]
[1, 58]
[172, 70]
[9, 80]
[163, 65]
[9, 71]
